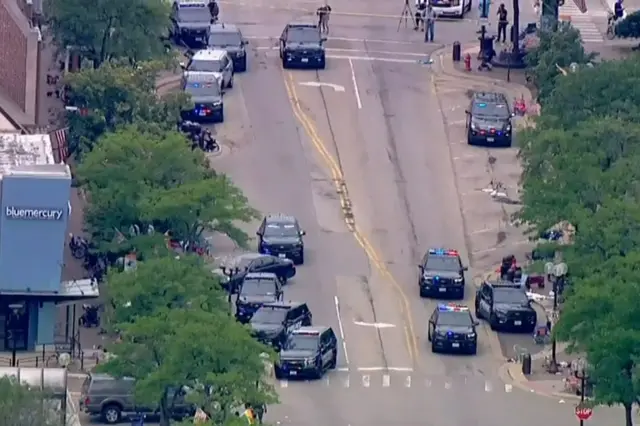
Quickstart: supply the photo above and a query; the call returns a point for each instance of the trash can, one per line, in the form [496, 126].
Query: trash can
[526, 364]
[456, 51]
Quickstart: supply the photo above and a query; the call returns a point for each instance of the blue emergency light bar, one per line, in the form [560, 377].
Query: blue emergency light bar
[452, 307]
[481, 105]
[443, 252]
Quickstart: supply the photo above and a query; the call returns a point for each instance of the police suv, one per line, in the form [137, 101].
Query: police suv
[213, 61]
[441, 274]
[257, 288]
[272, 322]
[190, 20]
[280, 235]
[228, 37]
[453, 329]
[506, 306]
[308, 352]
[206, 93]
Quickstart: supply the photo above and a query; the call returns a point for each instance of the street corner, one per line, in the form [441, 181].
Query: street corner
[552, 387]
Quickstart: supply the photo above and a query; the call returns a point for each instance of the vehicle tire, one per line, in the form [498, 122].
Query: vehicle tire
[319, 370]
[230, 85]
[478, 312]
[470, 141]
[469, 6]
[474, 350]
[300, 259]
[334, 360]
[111, 414]
[493, 322]
[433, 348]
[429, 337]
[277, 372]
[285, 65]
[322, 64]
[508, 143]
[221, 117]
[423, 293]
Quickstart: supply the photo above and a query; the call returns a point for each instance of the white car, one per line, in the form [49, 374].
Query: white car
[451, 8]
[213, 61]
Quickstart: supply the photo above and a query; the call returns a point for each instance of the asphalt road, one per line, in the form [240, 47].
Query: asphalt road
[388, 136]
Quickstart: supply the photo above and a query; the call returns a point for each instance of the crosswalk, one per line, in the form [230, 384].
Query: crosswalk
[584, 22]
[394, 380]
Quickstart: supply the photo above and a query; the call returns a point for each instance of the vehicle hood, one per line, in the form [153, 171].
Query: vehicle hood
[194, 26]
[441, 274]
[490, 122]
[293, 354]
[282, 240]
[512, 307]
[257, 299]
[206, 99]
[231, 48]
[266, 329]
[303, 46]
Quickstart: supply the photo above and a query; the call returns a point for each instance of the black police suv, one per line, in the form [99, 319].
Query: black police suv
[308, 352]
[190, 21]
[506, 306]
[257, 288]
[441, 274]
[272, 322]
[281, 235]
[453, 329]
[229, 37]
[237, 267]
[302, 45]
[489, 120]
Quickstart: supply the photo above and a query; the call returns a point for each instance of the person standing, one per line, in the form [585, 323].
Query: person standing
[421, 7]
[324, 13]
[502, 22]
[430, 23]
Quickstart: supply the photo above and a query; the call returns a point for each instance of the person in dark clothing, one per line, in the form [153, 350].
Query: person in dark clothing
[324, 13]
[618, 10]
[260, 410]
[502, 22]
[214, 10]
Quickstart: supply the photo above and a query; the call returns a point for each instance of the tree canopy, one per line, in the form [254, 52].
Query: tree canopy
[115, 95]
[176, 331]
[22, 406]
[629, 27]
[580, 165]
[103, 30]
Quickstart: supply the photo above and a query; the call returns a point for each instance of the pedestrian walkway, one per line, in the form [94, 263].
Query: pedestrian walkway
[584, 22]
[403, 380]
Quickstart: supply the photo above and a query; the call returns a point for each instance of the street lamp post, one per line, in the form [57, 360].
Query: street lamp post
[581, 374]
[557, 271]
[15, 307]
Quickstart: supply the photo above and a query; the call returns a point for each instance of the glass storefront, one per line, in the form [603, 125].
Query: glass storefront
[14, 324]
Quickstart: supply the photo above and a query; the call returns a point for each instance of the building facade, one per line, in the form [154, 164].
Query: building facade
[35, 211]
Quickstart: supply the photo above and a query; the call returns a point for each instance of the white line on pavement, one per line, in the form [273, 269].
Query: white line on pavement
[400, 369]
[344, 342]
[355, 84]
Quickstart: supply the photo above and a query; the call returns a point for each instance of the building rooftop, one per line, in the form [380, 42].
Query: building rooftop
[29, 155]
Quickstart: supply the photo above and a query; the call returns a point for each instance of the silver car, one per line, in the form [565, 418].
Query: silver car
[214, 61]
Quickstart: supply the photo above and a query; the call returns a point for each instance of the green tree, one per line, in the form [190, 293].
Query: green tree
[212, 204]
[556, 48]
[22, 406]
[570, 174]
[600, 319]
[115, 95]
[111, 29]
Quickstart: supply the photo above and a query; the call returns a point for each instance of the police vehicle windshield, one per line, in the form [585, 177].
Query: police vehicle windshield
[443, 263]
[224, 39]
[197, 89]
[303, 35]
[490, 109]
[258, 288]
[269, 316]
[510, 296]
[281, 230]
[194, 13]
[208, 65]
[300, 342]
[461, 319]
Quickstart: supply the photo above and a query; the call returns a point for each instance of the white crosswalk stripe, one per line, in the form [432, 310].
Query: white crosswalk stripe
[390, 379]
[583, 22]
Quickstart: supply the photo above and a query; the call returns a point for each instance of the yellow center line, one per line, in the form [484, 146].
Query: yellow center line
[347, 210]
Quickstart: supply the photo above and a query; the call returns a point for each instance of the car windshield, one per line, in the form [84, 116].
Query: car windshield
[206, 65]
[303, 35]
[197, 89]
[225, 39]
[509, 295]
[258, 288]
[194, 15]
[443, 263]
[269, 316]
[490, 109]
[455, 318]
[281, 230]
[302, 343]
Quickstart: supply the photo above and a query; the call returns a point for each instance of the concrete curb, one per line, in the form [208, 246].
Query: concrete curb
[511, 373]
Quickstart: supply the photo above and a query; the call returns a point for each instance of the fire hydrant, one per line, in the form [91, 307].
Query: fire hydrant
[467, 62]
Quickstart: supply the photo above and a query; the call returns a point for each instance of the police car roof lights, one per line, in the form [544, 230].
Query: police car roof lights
[443, 252]
[452, 307]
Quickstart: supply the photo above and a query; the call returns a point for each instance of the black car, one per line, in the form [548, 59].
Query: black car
[489, 120]
[190, 21]
[281, 235]
[237, 267]
[229, 37]
[506, 306]
[302, 45]
[256, 289]
[441, 274]
[308, 352]
[272, 322]
[453, 329]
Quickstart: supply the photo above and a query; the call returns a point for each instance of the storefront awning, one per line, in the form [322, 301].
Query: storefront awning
[70, 291]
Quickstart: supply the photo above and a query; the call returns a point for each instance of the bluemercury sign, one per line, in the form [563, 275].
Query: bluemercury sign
[33, 213]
